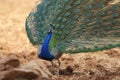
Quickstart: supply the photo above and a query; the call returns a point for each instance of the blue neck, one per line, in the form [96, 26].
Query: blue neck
[45, 54]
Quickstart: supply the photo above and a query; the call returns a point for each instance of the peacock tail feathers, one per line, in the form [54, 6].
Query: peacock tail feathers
[79, 25]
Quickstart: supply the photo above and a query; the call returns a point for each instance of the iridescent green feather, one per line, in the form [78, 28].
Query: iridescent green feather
[80, 25]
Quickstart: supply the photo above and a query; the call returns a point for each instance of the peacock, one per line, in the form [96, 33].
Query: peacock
[73, 26]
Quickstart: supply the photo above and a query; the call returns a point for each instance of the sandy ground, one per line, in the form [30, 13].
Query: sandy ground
[102, 65]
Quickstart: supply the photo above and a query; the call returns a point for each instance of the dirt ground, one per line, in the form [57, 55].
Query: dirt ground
[102, 65]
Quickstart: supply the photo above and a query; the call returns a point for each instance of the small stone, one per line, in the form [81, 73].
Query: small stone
[69, 69]
[1, 47]
[62, 72]
[29, 71]
[9, 63]
[91, 72]
[76, 65]
[17, 74]
[33, 53]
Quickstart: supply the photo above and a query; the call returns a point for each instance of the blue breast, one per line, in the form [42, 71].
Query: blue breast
[45, 54]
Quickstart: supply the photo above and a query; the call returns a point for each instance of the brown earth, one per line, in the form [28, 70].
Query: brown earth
[102, 65]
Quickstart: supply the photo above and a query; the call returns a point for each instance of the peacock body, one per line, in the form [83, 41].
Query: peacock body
[74, 26]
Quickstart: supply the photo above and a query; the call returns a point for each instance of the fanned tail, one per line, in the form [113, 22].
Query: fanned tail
[80, 25]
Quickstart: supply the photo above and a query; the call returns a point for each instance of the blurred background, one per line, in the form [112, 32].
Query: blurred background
[13, 14]
[101, 65]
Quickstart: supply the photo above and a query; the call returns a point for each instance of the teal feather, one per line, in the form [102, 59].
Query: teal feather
[79, 25]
